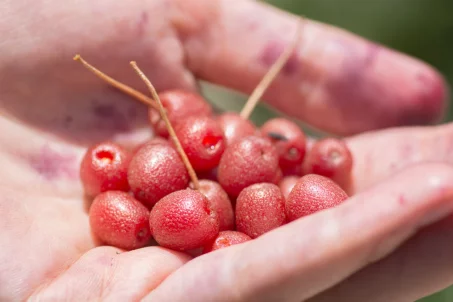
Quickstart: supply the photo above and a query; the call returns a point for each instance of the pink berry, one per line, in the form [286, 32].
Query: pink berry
[260, 208]
[183, 220]
[202, 139]
[289, 140]
[235, 127]
[226, 239]
[330, 157]
[119, 220]
[155, 171]
[179, 104]
[313, 193]
[219, 202]
[103, 168]
[245, 162]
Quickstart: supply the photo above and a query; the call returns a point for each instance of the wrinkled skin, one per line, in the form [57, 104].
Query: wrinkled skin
[52, 109]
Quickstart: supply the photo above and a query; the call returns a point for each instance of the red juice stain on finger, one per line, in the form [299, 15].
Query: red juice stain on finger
[271, 53]
[53, 165]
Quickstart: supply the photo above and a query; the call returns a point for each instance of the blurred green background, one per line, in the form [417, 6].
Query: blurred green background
[421, 28]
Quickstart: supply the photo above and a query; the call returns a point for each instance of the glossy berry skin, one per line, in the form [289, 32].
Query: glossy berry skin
[259, 209]
[179, 104]
[287, 184]
[235, 127]
[104, 167]
[183, 220]
[219, 203]
[313, 193]
[119, 220]
[330, 157]
[155, 171]
[202, 139]
[289, 140]
[247, 161]
[226, 239]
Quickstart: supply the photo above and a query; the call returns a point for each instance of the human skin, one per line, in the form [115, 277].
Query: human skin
[53, 109]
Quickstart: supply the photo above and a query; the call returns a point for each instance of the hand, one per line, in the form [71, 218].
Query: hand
[52, 109]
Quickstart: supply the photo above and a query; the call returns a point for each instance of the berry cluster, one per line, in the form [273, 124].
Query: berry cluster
[252, 179]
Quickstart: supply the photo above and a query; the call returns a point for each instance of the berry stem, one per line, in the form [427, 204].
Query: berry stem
[117, 84]
[171, 131]
[270, 76]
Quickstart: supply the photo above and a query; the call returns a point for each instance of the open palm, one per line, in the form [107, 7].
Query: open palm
[52, 109]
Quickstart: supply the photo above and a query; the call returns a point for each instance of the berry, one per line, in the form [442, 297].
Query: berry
[119, 220]
[287, 184]
[226, 239]
[219, 203]
[330, 157]
[259, 209]
[183, 221]
[155, 171]
[247, 161]
[178, 104]
[103, 168]
[288, 139]
[235, 127]
[202, 139]
[154, 140]
[313, 193]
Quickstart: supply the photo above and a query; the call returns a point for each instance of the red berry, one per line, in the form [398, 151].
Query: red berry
[313, 193]
[178, 104]
[235, 127]
[154, 140]
[287, 184]
[219, 202]
[247, 161]
[117, 219]
[155, 171]
[289, 140]
[259, 209]
[202, 139]
[226, 239]
[331, 158]
[183, 221]
[103, 168]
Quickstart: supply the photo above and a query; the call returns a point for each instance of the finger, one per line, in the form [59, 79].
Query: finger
[420, 267]
[380, 154]
[43, 87]
[336, 81]
[307, 256]
[107, 273]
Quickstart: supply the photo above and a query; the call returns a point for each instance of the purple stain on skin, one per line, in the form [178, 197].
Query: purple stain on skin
[108, 116]
[54, 165]
[271, 53]
[104, 110]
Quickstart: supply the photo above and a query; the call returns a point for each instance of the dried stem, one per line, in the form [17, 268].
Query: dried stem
[270, 75]
[120, 86]
[171, 131]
